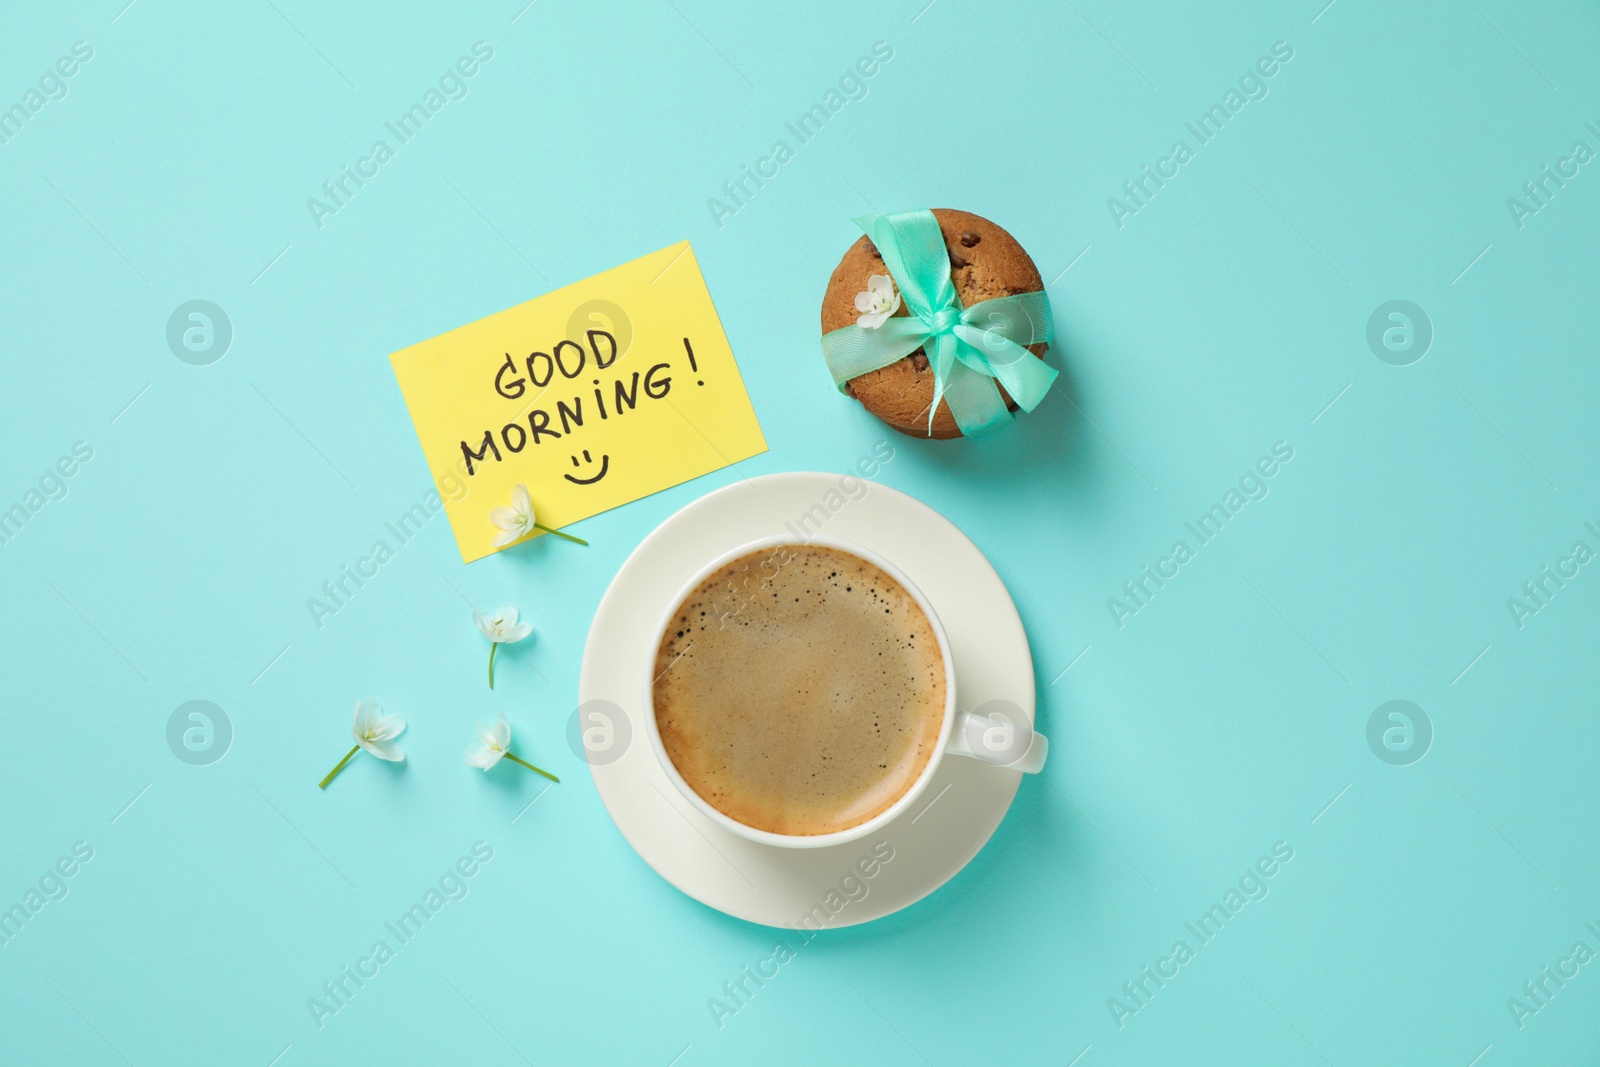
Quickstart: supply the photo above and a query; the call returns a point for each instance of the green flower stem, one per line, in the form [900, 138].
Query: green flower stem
[492, 646]
[348, 756]
[512, 756]
[563, 536]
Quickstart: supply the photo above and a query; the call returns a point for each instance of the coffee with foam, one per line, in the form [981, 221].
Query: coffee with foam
[799, 690]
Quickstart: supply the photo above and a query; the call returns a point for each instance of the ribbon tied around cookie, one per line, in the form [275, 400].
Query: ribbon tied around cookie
[971, 349]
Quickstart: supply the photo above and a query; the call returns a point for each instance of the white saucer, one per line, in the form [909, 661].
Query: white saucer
[767, 884]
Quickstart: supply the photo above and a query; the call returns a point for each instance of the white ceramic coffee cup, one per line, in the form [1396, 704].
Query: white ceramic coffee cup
[1001, 737]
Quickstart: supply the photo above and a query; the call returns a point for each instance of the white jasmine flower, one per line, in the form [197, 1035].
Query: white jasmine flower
[373, 731]
[877, 303]
[493, 741]
[500, 628]
[517, 521]
[494, 744]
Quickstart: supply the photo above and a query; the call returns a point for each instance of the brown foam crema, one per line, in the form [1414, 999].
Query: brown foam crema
[799, 690]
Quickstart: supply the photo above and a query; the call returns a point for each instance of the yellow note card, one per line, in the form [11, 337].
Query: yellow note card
[591, 396]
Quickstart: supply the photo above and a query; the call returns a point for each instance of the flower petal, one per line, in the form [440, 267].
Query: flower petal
[386, 727]
[366, 712]
[385, 751]
[865, 302]
[516, 632]
[872, 321]
[880, 283]
[521, 501]
[507, 615]
[505, 518]
[484, 623]
[505, 537]
[502, 733]
[482, 757]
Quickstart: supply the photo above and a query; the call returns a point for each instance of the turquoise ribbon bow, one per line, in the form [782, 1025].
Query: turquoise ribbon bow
[972, 348]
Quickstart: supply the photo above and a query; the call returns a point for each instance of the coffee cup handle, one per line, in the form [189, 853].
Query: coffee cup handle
[1002, 737]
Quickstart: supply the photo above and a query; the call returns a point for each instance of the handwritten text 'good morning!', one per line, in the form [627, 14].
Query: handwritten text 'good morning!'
[568, 361]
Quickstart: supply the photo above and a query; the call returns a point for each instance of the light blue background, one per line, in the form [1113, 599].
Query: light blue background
[1223, 717]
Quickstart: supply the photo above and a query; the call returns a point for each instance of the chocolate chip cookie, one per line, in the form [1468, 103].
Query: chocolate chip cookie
[985, 262]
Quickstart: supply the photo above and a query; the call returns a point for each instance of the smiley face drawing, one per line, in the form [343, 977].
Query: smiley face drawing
[605, 465]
